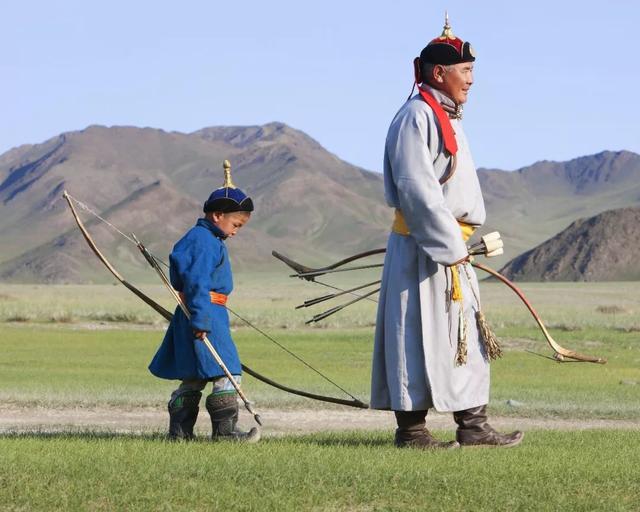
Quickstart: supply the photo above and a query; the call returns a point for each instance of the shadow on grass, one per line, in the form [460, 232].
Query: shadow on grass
[87, 435]
[349, 439]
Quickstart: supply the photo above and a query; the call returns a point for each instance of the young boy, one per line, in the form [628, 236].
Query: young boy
[200, 271]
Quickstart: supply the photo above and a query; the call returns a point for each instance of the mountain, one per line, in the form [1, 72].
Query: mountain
[601, 248]
[531, 204]
[309, 203]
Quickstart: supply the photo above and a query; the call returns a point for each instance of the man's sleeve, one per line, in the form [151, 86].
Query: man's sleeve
[420, 197]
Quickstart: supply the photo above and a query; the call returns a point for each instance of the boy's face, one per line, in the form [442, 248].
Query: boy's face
[230, 223]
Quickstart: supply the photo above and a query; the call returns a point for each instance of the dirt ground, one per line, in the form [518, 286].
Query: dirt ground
[276, 421]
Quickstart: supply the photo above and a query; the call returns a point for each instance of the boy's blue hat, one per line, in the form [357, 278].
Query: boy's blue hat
[228, 198]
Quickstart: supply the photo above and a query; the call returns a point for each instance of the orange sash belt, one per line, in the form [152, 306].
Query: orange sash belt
[216, 298]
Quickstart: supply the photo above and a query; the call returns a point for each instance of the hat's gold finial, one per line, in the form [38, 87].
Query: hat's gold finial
[228, 183]
[447, 33]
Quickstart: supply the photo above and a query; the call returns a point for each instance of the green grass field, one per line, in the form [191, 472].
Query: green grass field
[75, 347]
[62, 366]
[593, 470]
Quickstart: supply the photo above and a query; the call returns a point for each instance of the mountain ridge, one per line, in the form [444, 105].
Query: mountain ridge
[309, 203]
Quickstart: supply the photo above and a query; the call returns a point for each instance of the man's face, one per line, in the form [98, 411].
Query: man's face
[456, 81]
[230, 223]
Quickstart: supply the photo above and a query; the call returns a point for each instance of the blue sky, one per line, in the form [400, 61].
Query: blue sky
[553, 80]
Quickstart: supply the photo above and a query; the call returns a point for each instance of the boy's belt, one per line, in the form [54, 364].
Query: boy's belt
[216, 298]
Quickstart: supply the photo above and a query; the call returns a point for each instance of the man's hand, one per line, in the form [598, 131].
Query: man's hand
[461, 261]
[199, 334]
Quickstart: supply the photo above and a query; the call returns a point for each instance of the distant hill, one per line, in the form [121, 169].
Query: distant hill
[310, 204]
[601, 248]
[530, 205]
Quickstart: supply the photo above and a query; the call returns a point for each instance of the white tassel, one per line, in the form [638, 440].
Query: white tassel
[461, 352]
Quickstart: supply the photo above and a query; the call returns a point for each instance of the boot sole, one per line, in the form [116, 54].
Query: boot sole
[508, 445]
[253, 436]
[453, 446]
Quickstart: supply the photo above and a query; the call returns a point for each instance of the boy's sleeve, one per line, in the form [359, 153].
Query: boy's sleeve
[195, 264]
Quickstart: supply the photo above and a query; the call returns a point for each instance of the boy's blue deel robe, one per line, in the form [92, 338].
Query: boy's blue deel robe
[199, 263]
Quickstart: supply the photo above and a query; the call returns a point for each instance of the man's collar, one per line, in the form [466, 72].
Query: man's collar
[442, 98]
[448, 105]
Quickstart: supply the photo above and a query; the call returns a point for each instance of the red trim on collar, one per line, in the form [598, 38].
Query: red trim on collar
[448, 135]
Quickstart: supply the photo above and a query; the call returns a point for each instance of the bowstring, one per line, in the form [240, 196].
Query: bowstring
[292, 354]
[86, 208]
[280, 345]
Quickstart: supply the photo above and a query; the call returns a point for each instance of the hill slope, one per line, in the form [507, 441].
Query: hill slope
[533, 203]
[601, 248]
[309, 202]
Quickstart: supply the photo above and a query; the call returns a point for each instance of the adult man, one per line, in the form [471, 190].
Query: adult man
[428, 351]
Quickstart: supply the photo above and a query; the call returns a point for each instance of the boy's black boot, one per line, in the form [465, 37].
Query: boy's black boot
[183, 412]
[223, 409]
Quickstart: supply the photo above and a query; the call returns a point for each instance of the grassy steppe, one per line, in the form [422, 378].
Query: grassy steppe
[269, 301]
[82, 346]
[60, 366]
[590, 470]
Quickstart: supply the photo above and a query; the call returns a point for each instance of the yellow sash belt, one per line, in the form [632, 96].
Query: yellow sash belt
[400, 227]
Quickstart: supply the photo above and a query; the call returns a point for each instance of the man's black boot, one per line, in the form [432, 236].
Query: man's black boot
[474, 430]
[183, 412]
[223, 410]
[412, 432]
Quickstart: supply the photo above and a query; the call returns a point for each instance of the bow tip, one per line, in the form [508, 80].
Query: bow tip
[361, 405]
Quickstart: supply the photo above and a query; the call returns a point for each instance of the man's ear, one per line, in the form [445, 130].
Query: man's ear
[416, 70]
[438, 73]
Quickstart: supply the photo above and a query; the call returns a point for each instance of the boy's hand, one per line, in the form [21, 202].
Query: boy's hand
[199, 334]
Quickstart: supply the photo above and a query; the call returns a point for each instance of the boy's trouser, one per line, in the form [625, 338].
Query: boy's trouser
[184, 403]
[221, 386]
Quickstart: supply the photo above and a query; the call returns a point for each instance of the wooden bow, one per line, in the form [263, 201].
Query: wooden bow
[354, 402]
[561, 354]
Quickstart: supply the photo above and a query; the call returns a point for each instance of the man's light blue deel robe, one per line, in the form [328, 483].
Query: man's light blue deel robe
[414, 357]
[199, 263]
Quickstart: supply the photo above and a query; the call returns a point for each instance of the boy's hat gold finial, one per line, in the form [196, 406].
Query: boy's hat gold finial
[228, 182]
[228, 198]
